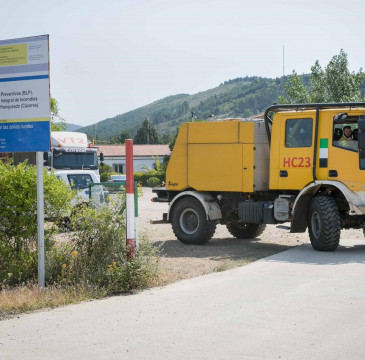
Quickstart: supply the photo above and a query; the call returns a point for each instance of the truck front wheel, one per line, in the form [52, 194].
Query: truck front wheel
[189, 222]
[324, 224]
[245, 231]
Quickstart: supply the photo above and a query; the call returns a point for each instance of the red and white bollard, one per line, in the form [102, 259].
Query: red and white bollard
[131, 240]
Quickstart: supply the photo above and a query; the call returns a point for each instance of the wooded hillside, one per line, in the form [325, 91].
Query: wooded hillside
[241, 97]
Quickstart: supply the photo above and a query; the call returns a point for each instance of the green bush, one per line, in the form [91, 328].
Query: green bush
[98, 256]
[18, 213]
[153, 181]
[94, 255]
[142, 177]
[105, 172]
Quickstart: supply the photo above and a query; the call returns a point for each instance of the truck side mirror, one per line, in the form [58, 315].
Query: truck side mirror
[45, 158]
[101, 159]
[361, 136]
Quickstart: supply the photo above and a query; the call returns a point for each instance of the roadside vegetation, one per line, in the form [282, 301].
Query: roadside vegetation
[90, 262]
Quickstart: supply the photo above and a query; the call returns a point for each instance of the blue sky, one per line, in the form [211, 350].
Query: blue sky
[109, 57]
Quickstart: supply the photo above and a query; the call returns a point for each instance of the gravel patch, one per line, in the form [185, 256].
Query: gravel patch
[223, 252]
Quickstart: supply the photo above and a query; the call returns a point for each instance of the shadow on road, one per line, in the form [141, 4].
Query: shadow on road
[220, 249]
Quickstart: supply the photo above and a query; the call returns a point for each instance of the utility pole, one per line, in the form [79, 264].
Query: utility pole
[148, 130]
[283, 59]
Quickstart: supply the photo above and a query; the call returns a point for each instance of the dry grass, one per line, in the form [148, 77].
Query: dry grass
[31, 297]
[232, 264]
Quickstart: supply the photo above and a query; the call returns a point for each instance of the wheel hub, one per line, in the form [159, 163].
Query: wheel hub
[189, 221]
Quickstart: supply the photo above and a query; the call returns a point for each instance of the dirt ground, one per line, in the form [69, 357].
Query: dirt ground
[179, 261]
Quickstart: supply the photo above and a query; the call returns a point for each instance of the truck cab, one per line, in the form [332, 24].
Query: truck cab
[71, 150]
[306, 149]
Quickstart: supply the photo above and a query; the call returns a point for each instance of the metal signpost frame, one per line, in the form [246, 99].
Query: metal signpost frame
[25, 111]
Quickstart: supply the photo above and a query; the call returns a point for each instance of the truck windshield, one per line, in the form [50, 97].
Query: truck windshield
[79, 181]
[74, 160]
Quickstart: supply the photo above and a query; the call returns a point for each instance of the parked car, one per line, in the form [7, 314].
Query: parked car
[117, 178]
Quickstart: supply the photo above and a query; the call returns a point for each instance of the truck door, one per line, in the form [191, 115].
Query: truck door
[345, 152]
[296, 152]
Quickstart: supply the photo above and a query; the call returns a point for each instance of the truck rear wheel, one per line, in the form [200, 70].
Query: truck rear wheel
[324, 224]
[189, 222]
[245, 231]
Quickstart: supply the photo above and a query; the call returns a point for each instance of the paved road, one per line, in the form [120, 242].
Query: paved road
[298, 304]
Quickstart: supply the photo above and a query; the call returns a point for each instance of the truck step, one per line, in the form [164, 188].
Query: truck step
[154, 222]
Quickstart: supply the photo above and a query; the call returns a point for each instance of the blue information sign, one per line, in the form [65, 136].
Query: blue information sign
[24, 95]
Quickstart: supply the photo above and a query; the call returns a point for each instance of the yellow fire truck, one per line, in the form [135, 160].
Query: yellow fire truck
[303, 164]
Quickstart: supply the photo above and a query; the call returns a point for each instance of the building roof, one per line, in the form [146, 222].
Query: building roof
[258, 116]
[138, 150]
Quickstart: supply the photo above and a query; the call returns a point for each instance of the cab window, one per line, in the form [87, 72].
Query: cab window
[345, 132]
[298, 133]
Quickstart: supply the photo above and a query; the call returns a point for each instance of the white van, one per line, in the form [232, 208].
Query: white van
[79, 180]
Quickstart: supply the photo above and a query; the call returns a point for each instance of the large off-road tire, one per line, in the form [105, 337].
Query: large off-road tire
[189, 222]
[324, 224]
[245, 231]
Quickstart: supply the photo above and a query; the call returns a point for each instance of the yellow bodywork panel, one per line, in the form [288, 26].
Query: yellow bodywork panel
[246, 132]
[291, 168]
[176, 173]
[213, 156]
[220, 132]
[214, 167]
[346, 163]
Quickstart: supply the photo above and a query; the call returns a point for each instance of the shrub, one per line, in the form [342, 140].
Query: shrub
[18, 212]
[153, 181]
[97, 254]
[105, 172]
[142, 177]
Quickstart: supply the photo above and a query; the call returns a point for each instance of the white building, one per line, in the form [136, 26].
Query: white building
[144, 156]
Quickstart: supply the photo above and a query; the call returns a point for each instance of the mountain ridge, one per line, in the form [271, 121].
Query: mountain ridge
[240, 97]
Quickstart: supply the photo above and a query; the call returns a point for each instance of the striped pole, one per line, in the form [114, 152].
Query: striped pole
[131, 241]
[136, 214]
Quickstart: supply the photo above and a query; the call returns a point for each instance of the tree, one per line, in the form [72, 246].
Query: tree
[105, 172]
[125, 134]
[334, 83]
[146, 134]
[173, 140]
[166, 138]
[57, 121]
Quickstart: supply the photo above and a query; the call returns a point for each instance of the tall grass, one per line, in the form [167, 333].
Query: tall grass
[30, 297]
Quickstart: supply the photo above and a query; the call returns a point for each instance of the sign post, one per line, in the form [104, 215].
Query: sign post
[40, 220]
[25, 111]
